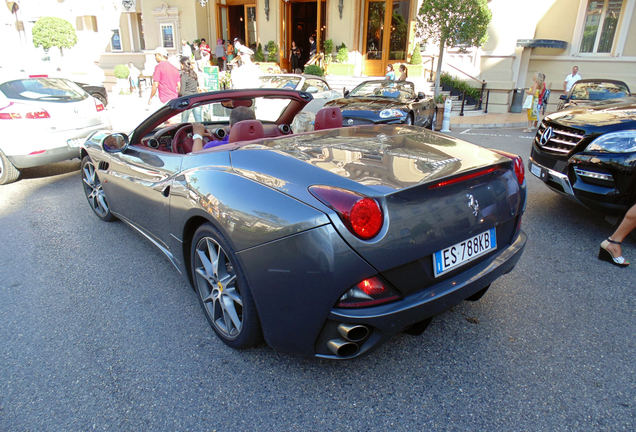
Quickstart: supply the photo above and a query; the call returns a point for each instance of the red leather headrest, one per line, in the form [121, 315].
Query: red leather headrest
[328, 118]
[246, 130]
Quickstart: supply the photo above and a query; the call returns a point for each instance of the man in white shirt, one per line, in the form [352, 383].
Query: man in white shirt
[186, 51]
[571, 79]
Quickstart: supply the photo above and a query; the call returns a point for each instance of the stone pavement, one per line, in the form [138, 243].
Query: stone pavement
[127, 111]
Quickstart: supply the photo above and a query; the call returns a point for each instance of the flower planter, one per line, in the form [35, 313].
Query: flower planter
[341, 69]
[415, 71]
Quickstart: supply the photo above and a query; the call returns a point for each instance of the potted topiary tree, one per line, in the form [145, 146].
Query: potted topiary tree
[121, 73]
[416, 68]
[258, 56]
[342, 65]
[269, 60]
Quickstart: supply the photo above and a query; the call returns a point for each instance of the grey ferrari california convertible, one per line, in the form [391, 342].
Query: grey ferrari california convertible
[325, 243]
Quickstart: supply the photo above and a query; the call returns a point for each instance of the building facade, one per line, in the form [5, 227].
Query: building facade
[551, 36]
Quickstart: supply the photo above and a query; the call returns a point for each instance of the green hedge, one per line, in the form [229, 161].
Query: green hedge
[314, 70]
[121, 71]
[460, 85]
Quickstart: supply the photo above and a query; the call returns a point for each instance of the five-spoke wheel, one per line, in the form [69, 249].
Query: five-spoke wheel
[223, 290]
[94, 192]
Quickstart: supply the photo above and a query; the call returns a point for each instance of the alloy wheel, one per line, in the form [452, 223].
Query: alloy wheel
[93, 189]
[217, 285]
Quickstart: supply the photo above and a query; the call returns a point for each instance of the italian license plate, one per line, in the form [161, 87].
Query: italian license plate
[75, 142]
[464, 252]
[538, 171]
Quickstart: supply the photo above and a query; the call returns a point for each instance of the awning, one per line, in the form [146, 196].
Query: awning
[542, 43]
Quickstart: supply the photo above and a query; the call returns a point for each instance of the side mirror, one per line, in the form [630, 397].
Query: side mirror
[115, 143]
[563, 97]
[421, 95]
[345, 92]
[312, 89]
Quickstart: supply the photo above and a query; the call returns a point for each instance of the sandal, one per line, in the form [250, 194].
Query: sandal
[527, 130]
[605, 255]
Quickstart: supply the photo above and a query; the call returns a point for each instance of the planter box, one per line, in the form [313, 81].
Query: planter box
[341, 69]
[414, 71]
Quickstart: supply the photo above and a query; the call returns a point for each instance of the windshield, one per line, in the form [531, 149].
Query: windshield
[265, 109]
[598, 91]
[44, 89]
[279, 82]
[385, 89]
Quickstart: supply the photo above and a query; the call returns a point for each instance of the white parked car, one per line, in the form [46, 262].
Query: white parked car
[317, 86]
[43, 121]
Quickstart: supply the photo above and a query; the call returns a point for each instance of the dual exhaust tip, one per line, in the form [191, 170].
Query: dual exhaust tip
[352, 335]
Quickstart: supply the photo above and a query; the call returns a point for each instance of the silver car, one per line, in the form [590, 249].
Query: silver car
[317, 86]
[56, 111]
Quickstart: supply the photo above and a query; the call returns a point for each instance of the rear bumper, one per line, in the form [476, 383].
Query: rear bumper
[49, 147]
[385, 321]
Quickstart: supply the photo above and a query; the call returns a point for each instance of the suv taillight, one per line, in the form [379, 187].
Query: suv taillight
[99, 106]
[16, 111]
[520, 170]
[362, 215]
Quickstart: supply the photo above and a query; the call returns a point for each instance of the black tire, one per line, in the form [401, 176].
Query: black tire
[222, 289]
[478, 295]
[94, 192]
[433, 124]
[8, 172]
[409, 119]
[101, 98]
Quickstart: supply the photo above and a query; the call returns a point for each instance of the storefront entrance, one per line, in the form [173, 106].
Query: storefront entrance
[302, 19]
[386, 34]
[238, 21]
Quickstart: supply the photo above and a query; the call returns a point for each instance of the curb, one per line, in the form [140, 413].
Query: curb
[488, 125]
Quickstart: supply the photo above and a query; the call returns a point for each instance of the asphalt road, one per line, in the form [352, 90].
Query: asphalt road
[99, 332]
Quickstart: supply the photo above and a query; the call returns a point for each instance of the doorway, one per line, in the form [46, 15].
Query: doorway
[386, 34]
[302, 19]
[238, 21]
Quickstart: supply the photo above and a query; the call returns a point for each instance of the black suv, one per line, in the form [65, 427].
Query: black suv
[589, 154]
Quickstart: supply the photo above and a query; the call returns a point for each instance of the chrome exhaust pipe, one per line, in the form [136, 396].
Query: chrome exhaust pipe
[353, 332]
[342, 348]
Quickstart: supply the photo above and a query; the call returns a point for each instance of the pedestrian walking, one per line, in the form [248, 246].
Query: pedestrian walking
[295, 57]
[165, 79]
[571, 79]
[189, 85]
[186, 50]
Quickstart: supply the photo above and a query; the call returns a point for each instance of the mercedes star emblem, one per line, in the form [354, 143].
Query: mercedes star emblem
[545, 136]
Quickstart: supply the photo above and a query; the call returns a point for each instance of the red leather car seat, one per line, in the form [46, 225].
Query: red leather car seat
[246, 130]
[328, 118]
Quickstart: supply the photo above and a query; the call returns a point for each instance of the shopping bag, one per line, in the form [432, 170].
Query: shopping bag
[527, 104]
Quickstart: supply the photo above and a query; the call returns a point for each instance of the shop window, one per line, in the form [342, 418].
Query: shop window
[167, 36]
[115, 41]
[602, 18]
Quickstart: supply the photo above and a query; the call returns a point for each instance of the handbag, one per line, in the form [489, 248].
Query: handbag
[527, 104]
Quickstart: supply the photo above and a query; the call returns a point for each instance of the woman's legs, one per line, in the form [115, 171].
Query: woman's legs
[626, 226]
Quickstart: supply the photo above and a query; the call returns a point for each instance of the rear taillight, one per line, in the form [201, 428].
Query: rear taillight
[369, 292]
[15, 111]
[520, 170]
[98, 105]
[362, 215]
